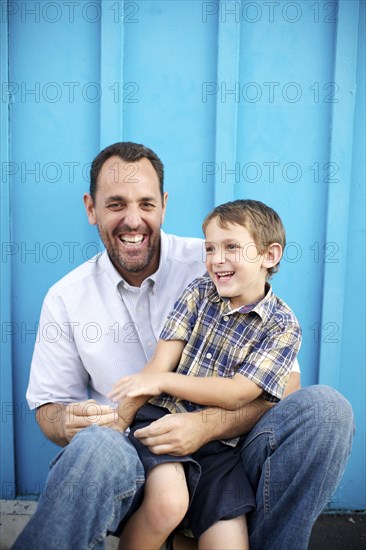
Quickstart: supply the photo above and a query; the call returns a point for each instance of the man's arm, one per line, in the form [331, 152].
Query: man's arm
[182, 434]
[293, 384]
[60, 423]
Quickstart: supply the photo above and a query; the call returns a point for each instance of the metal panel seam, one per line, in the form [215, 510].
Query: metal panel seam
[339, 192]
[226, 111]
[6, 387]
[111, 72]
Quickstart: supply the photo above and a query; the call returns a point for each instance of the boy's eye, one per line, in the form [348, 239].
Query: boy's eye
[231, 246]
[210, 249]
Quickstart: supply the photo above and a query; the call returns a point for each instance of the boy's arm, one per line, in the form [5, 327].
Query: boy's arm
[166, 357]
[183, 434]
[226, 393]
[264, 370]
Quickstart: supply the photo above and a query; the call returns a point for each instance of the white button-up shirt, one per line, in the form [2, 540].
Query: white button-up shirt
[95, 328]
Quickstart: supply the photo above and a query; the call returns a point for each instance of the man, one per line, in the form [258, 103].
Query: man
[293, 455]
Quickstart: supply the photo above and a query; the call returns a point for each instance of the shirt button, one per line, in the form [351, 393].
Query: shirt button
[209, 355]
[226, 318]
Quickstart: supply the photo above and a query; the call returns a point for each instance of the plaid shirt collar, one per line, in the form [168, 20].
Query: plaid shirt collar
[263, 308]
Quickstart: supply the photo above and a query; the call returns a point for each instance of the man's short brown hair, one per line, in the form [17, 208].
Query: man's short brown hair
[129, 152]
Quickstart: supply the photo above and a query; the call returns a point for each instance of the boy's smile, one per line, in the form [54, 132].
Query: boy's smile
[234, 264]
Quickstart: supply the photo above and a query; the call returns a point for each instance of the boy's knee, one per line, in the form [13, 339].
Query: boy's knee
[168, 510]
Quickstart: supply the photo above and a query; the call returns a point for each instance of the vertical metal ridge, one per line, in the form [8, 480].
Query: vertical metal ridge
[226, 111]
[7, 468]
[341, 149]
[111, 72]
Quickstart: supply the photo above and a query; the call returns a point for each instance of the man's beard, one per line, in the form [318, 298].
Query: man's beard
[129, 264]
[126, 260]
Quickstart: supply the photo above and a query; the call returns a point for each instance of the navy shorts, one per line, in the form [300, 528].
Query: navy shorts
[218, 486]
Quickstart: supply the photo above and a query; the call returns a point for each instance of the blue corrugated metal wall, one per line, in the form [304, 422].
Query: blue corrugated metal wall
[240, 99]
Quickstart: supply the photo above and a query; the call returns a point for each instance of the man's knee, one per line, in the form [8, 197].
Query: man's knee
[103, 449]
[320, 413]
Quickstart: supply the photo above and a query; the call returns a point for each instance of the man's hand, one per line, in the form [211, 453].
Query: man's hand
[137, 385]
[78, 416]
[60, 423]
[175, 434]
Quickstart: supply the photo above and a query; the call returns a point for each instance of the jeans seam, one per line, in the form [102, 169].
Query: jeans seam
[268, 430]
[130, 492]
[266, 487]
[126, 494]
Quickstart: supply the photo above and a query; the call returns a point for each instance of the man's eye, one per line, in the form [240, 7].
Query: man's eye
[114, 206]
[147, 205]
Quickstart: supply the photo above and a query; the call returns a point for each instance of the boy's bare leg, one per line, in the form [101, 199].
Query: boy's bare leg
[231, 534]
[164, 506]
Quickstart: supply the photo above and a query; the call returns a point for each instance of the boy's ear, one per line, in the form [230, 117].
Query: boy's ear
[272, 256]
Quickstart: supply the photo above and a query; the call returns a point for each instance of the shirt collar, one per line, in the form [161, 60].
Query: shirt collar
[157, 278]
[111, 272]
[264, 308]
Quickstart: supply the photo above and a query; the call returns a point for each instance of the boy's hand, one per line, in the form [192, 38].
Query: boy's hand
[136, 385]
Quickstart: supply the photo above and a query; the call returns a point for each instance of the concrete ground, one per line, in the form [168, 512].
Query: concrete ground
[331, 531]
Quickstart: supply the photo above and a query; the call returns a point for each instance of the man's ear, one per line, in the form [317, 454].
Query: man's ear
[165, 200]
[272, 256]
[90, 210]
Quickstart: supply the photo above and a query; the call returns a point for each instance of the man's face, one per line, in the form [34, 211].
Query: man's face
[129, 211]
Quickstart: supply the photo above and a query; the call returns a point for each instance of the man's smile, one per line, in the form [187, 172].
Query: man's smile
[129, 239]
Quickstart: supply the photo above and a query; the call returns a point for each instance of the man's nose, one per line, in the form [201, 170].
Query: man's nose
[132, 217]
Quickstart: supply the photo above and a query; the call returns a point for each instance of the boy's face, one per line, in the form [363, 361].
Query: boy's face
[234, 264]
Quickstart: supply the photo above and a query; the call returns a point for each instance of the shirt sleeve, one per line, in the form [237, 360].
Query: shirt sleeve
[270, 361]
[182, 318]
[57, 373]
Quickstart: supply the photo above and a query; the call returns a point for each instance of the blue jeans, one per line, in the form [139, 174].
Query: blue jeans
[294, 458]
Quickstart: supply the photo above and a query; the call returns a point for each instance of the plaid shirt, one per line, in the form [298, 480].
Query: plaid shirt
[259, 341]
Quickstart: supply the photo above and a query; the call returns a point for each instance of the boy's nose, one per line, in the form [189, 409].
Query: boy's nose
[218, 257]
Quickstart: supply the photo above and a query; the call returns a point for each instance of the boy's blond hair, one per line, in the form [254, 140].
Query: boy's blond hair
[262, 222]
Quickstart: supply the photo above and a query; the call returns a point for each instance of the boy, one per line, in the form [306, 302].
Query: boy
[236, 341]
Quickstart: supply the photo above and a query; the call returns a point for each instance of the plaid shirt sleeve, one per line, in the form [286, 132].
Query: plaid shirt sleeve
[181, 320]
[270, 360]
